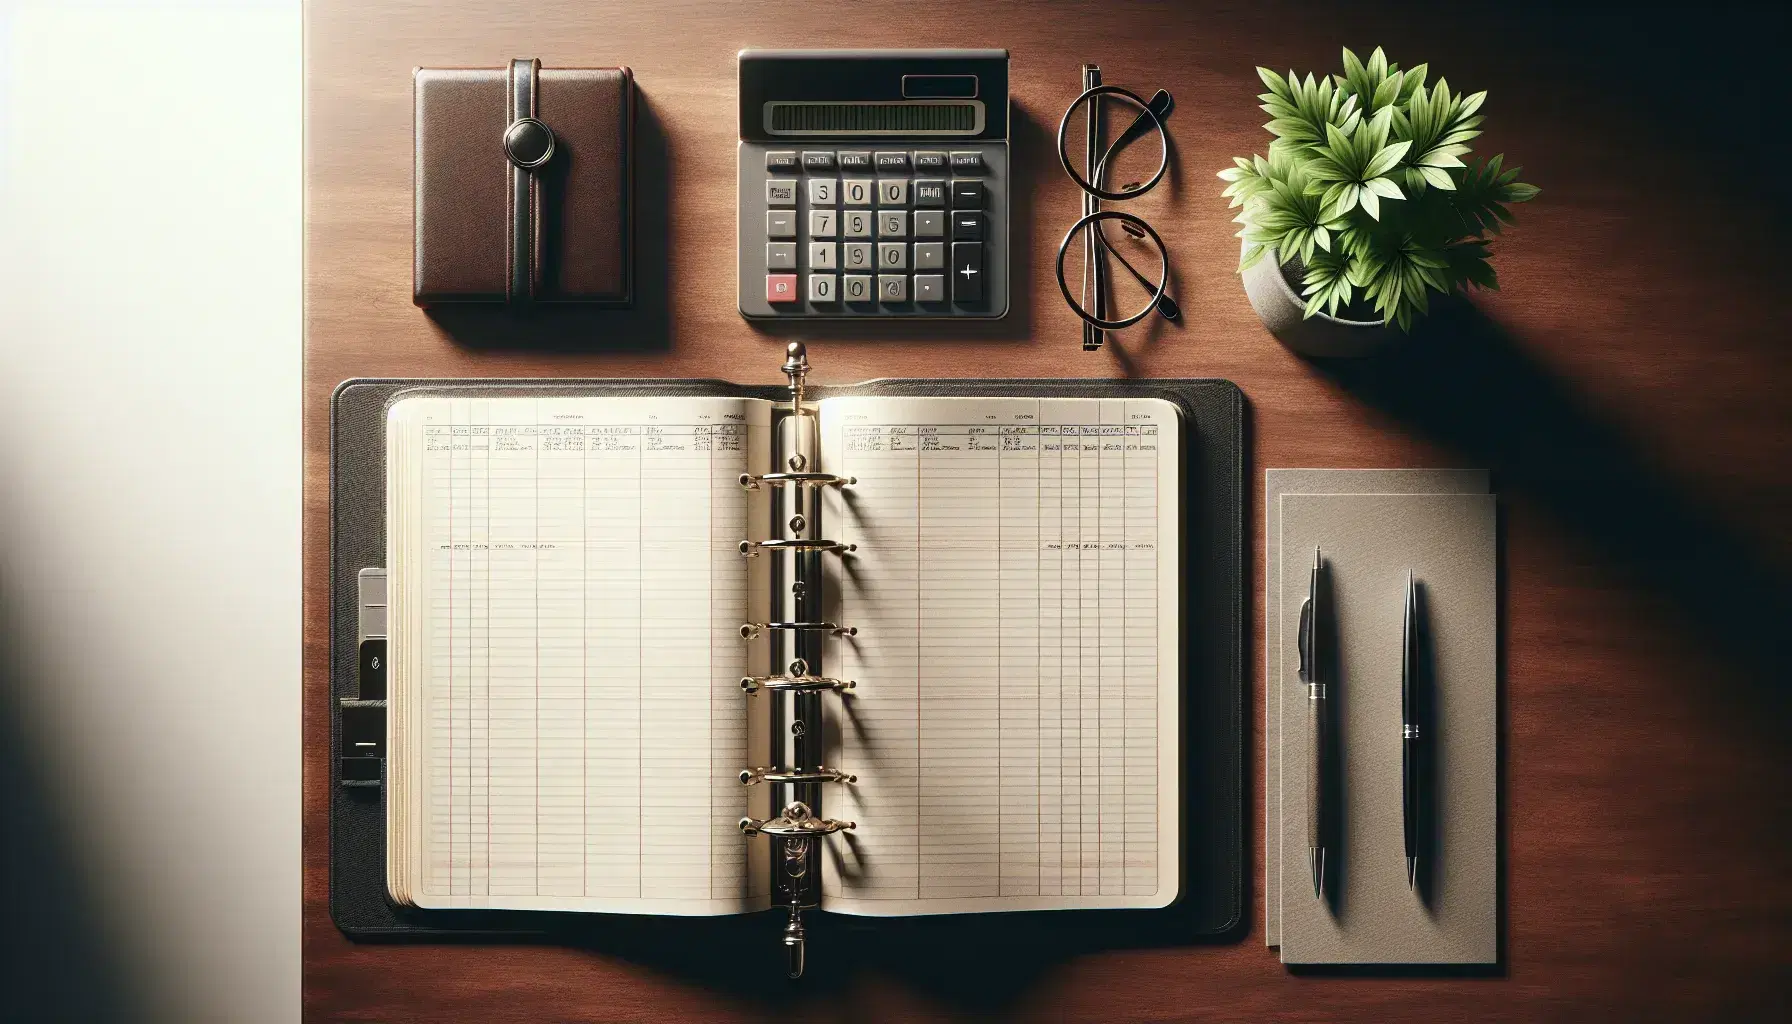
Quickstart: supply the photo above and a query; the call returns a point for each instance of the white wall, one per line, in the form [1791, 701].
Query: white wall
[150, 224]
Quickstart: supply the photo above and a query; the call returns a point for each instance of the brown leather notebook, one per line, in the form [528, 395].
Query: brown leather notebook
[524, 184]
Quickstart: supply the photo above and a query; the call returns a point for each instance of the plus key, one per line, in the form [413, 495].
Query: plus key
[967, 272]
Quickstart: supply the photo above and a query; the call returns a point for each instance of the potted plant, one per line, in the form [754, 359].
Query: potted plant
[1364, 205]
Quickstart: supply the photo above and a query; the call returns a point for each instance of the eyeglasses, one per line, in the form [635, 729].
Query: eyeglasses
[1096, 302]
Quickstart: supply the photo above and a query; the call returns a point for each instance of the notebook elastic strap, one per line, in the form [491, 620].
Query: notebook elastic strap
[528, 144]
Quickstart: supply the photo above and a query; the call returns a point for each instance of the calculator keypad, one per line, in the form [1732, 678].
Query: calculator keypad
[877, 232]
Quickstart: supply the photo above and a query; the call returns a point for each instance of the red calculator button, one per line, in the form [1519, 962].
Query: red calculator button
[780, 288]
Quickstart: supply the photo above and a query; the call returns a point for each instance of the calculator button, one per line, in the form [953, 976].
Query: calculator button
[930, 223]
[967, 195]
[780, 192]
[892, 223]
[816, 161]
[822, 223]
[967, 227]
[823, 288]
[892, 192]
[780, 255]
[892, 255]
[855, 224]
[892, 288]
[856, 256]
[855, 161]
[858, 288]
[967, 163]
[857, 191]
[781, 160]
[967, 272]
[930, 256]
[824, 191]
[780, 223]
[930, 161]
[929, 287]
[931, 194]
[892, 163]
[780, 288]
[823, 256]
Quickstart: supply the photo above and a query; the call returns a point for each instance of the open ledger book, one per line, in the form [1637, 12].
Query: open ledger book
[568, 727]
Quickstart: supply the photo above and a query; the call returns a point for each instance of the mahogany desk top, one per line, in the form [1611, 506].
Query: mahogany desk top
[1628, 388]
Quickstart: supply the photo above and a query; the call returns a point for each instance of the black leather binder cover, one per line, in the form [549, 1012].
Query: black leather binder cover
[1212, 904]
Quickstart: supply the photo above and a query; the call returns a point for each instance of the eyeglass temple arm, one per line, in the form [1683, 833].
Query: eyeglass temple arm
[1166, 306]
[1094, 268]
[1160, 104]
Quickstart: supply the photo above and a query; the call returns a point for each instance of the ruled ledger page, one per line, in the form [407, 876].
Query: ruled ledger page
[1015, 728]
[566, 594]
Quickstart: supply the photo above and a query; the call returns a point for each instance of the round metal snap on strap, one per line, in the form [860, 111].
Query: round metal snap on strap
[528, 143]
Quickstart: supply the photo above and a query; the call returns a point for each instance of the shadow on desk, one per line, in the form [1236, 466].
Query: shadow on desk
[981, 965]
[1464, 380]
[643, 327]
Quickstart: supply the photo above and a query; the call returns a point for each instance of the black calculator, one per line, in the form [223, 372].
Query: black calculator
[873, 183]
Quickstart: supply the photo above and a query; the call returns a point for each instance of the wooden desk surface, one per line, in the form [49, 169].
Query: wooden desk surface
[1627, 387]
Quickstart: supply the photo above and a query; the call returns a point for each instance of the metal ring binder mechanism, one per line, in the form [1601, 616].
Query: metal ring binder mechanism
[795, 638]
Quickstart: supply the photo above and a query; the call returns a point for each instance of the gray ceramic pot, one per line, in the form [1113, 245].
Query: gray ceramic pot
[1280, 306]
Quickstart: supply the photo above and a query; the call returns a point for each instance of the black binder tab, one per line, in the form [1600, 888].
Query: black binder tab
[361, 771]
[372, 673]
[363, 739]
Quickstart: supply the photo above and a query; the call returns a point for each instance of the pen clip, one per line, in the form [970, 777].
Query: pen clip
[1304, 641]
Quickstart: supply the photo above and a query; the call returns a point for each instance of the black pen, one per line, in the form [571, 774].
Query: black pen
[1316, 727]
[1409, 732]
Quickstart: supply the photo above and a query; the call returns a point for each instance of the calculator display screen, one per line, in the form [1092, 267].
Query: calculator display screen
[961, 117]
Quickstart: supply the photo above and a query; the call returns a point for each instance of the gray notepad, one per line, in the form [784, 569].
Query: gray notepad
[1315, 481]
[1370, 542]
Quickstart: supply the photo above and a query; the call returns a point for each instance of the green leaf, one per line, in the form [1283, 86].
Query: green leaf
[1342, 197]
[1324, 168]
[1386, 92]
[1385, 188]
[1518, 192]
[1414, 82]
[1386, 160]
[1276, 83]
[1437, 177]
[1379, 124]
[1371, 203]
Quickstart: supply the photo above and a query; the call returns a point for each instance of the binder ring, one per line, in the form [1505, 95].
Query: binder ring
[754, 776]
[747, 547]
[795, 684]
[751, 481]
[795, 823]
[750, 630]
